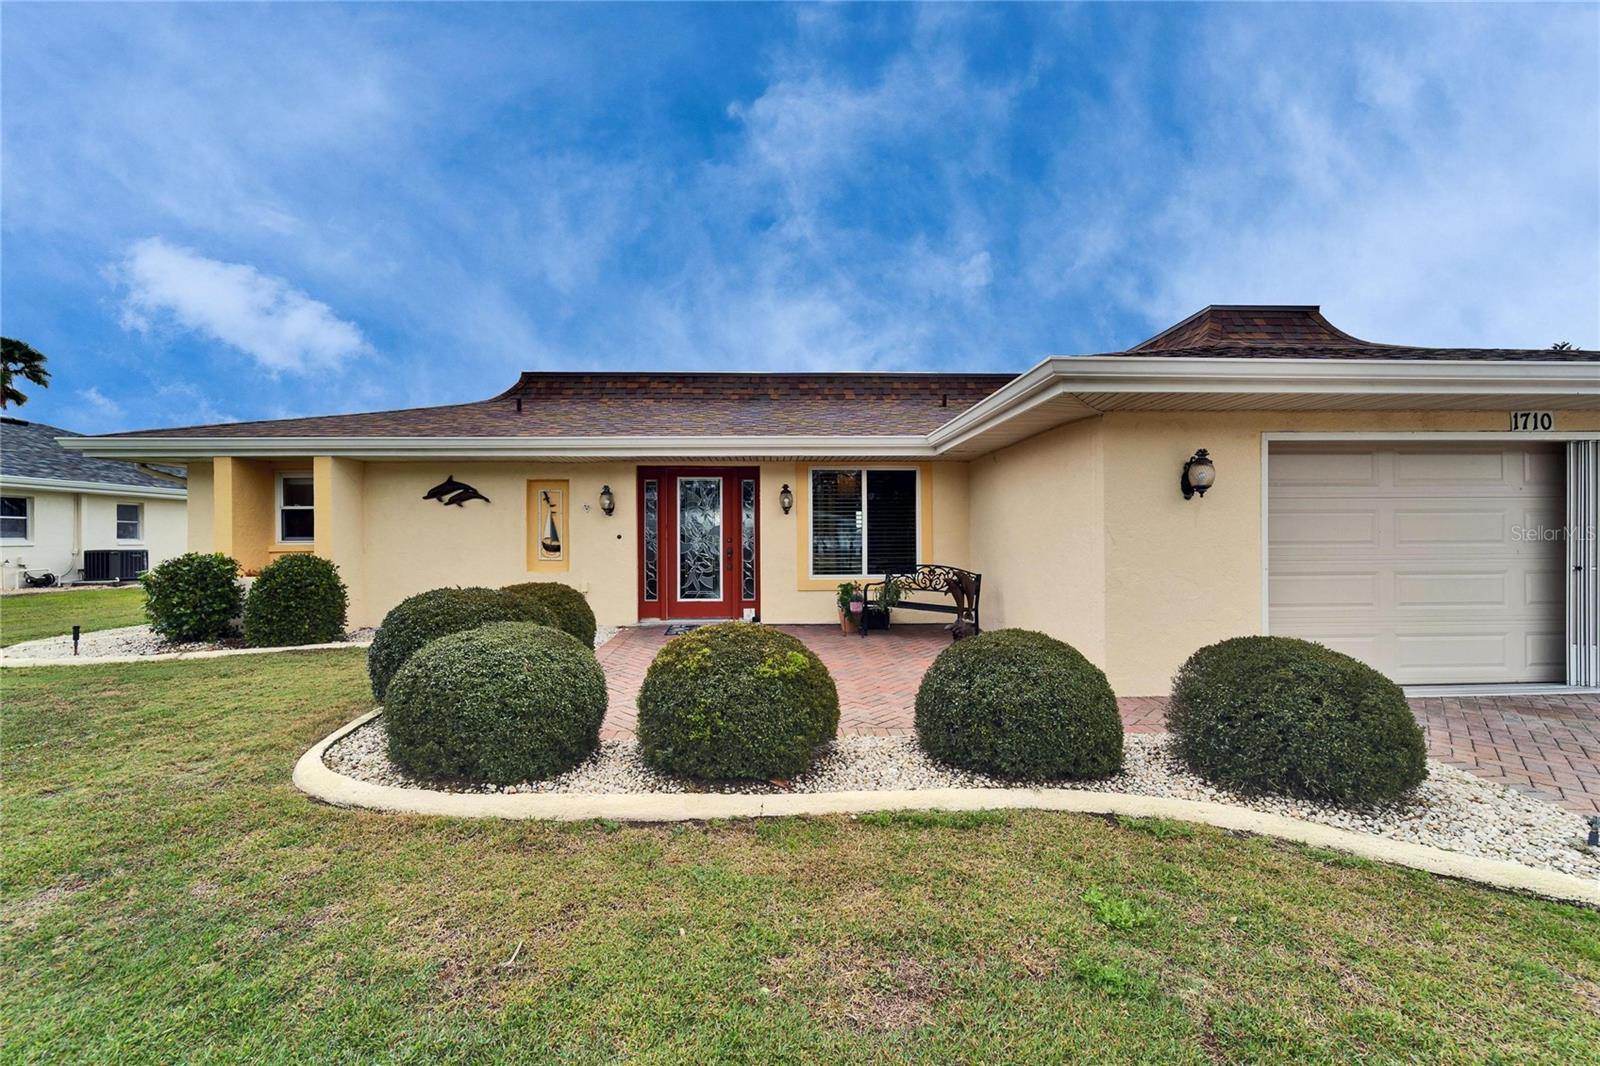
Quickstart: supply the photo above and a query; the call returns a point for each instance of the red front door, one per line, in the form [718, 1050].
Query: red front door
[698, 538]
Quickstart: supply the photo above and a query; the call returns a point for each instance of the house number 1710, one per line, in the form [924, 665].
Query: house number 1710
[1532, 421]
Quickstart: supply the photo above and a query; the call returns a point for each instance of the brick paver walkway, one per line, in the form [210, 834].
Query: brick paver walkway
[877, 677]
[1549, 745]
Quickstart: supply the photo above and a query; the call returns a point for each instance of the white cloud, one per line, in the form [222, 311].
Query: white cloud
[102, 406]
[263, 316]
[198, 408]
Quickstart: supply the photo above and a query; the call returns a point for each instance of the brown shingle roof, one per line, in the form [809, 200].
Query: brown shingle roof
[563, 404]
[1286, 331]
[1264, 326]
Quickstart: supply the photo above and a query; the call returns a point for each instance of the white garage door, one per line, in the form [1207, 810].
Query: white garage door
[1437, 564]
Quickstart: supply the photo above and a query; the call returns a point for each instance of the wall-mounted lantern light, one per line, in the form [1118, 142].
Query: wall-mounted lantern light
[1199, 474]
[608, 502]
[785, 499]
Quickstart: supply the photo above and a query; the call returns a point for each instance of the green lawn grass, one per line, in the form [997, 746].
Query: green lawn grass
[168, 896]
[51, 614]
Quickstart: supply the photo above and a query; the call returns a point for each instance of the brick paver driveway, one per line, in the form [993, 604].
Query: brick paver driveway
[1549, 745]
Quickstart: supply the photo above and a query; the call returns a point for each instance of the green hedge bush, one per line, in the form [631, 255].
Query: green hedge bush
[1273, 714]
[297, 599]
[569, 610]
[194, 597]
[501, 703]
[735, 701]
[1017, 704]
[430, 615]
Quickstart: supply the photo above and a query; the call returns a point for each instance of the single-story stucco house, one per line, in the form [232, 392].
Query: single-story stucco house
[1429, 510]
[81, 519]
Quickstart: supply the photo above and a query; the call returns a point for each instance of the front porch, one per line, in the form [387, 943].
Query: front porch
[1546, 745]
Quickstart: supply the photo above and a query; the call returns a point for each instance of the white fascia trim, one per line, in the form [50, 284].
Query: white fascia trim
[93, 488]
[905, 446]
[1354, 377]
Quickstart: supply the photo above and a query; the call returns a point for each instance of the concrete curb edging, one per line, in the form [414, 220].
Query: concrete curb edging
[175, 656]
[313, 777]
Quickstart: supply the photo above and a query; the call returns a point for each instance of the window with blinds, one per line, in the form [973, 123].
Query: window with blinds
[863, 521]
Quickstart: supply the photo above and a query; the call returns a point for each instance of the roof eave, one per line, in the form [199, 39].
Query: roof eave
[93, 488]
[1065, 376]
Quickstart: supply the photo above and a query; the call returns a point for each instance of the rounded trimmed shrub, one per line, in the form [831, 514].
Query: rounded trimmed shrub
[194, 597]
[1018, 704]
[568, 609]
[297, 599]
[501, 703]
[430, 615]
[736, 700]
[1274, 714]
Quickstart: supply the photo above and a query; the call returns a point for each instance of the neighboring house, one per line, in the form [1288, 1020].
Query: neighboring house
[1400, 503]
[79, 518]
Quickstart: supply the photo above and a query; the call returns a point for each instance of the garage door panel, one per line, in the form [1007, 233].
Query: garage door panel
[1545, 470]
[1444, 529]
[1439, 590]
[1328, 467]
[1310, 592]
[1547, 651]
[1432, 469]
[1348, 527]
[1545, 588]
[1452, 651]
[1427, 570]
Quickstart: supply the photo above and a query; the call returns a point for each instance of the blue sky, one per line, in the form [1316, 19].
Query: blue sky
[227, 212]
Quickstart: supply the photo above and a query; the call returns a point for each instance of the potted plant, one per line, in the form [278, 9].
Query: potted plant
[876, 614]
[851, 603]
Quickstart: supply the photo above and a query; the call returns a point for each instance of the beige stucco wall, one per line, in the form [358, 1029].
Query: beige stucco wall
[389, 543]
[413, 545]
[1176, 574]
[1038, 534]
[202, 503]
[339, 486]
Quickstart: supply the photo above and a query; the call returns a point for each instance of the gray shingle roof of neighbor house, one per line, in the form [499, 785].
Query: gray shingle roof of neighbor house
[29, 449]
[562, 404]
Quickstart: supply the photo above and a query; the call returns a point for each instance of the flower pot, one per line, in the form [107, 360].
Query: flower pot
[847, 623]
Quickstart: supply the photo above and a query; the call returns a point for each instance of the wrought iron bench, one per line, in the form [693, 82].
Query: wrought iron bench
[962, 586]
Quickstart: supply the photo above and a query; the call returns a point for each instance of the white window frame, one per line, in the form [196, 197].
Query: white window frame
[27, 519]
[116, 520]
[811, 509]
[277, 514]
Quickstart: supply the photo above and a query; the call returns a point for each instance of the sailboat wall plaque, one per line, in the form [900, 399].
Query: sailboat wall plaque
[547, 525]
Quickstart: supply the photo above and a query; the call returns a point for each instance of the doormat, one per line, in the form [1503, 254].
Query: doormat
[678, 629]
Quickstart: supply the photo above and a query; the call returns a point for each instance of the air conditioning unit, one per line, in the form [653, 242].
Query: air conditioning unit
[114, 564]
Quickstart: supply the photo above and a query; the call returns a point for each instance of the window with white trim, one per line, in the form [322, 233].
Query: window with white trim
[130, 521]
[297, 516]
[863, 522]
[16, 518]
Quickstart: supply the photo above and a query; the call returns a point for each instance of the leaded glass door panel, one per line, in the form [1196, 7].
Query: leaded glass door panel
[698, 542]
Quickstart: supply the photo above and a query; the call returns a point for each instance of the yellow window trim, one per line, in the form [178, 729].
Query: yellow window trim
[802, 509]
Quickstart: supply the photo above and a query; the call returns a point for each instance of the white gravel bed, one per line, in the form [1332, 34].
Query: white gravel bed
[1451, 810]
[605, 633]
[125, 640]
